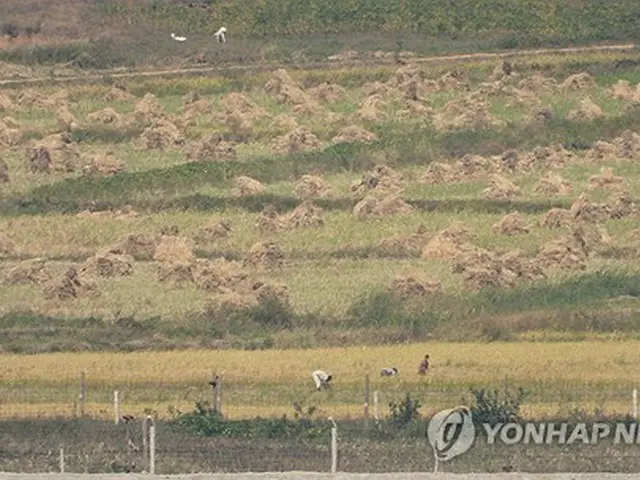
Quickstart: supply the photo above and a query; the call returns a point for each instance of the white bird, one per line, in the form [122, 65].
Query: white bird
[220, 35]
[178, 39]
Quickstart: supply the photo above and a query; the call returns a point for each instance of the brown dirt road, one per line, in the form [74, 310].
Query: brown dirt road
[318, 65]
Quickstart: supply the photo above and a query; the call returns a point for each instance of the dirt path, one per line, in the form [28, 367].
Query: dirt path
[338, 64]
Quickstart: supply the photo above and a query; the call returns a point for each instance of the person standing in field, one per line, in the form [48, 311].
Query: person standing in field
[424, 366]
[321, 379]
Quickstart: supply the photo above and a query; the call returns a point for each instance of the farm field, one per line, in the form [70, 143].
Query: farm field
[261, 223]
[561, 379]
[324, 208]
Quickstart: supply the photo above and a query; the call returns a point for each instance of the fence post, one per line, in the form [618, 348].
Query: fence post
[116, 406]
[82, 395]
[375, 405]
[62, 460]
[145, 443]
[218, 394]
[635, 403]
[152, 446]
[366, 401]
[334, 447]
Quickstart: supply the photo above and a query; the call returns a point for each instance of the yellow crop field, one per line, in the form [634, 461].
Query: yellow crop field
[451, 362]
[587, 375]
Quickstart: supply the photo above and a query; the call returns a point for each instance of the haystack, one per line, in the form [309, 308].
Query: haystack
[65, 119]
[465, 114]
[119, 93]
[557, 218]
[627, 144]
[235, 102]
[160, 135]
[524, 267]
[412, 286]
[562, 253]
[446, 243]
[106, 116]
[140, 245]
[69, 285]
[370, 110]
[622, 205]
[475, 166]
[410, 245]
[501, 188]
[230, 301]
[602, 151]
[266, 255]
[175, 272]
[174, 249]
[480, 277]
[328, 92]
[10, 136]
[109, 263]
[553, 184]
[269, 221]
[583, 209]
[371, 206]
[6, 104]
[305, 215]
[149, 108]
[30, 271]
[267, 291]
[546, 157]
[285, 90]
[285, 123]
[354, 133]
[440, 173]
[310, 186]
[211, 233]
[4, 171]
[212, 148]
[103, 164]
[193, 112]
[511, 224]
[58, 152]
[382, 179]
[299, 140]
[606, 179]
[468, 256]
[587, 111]
[452, 80]
[218, 275]
[622, 90]
[578, 81]
[538, 83]
[247, 186]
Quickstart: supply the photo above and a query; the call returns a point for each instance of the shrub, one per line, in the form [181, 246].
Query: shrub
[404, 412]
[495, 406]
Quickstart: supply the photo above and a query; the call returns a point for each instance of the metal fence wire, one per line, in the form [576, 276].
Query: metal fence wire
[171, 429]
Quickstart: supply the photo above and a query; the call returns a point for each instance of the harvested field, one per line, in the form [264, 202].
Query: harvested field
[332, 186]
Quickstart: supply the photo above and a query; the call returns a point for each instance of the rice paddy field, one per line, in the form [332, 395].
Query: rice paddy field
[259, 226]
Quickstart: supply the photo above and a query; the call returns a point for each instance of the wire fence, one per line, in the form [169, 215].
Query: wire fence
[93, 427]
